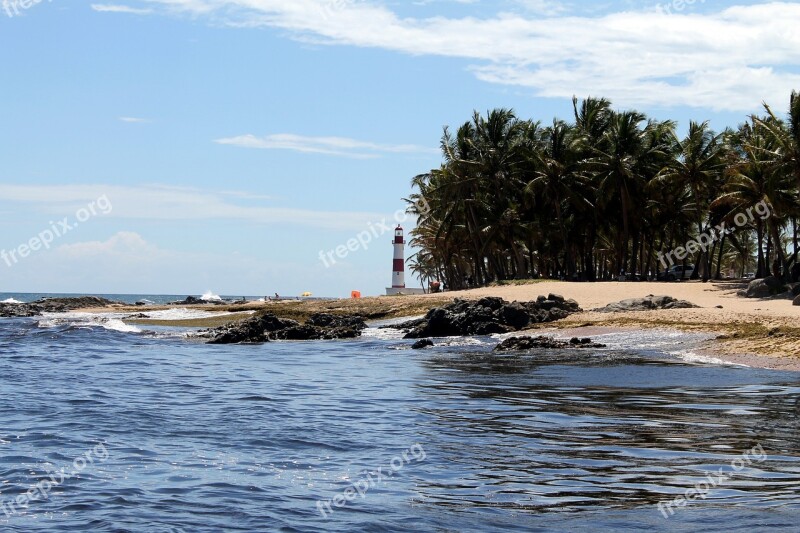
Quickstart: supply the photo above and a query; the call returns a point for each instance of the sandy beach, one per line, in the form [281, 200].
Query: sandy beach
[756, 332]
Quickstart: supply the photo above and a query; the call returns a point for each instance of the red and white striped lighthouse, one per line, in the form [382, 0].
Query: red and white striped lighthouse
[399, 267]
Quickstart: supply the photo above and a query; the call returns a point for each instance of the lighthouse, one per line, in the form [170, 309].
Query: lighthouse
[399, 268]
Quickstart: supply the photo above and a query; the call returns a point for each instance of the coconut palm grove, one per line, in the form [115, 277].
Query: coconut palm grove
[608, 194]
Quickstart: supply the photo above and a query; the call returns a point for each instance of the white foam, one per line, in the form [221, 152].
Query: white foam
[692, 357]
[11, 301]
[86, 320]
[382, 334]
[210, 297]
[118, 325]
[182, 313]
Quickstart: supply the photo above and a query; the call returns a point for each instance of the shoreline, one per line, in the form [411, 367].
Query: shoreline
[762, 333]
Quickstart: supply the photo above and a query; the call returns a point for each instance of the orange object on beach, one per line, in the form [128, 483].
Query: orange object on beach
[355, 294]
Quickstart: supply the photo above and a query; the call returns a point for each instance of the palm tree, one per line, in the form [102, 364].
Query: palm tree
[556, 166]
[699, 165]
[604, 194]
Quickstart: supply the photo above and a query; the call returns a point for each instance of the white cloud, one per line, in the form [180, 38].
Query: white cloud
[134, 120]
[159, 202]
[115, 8]
[338, 146]
[543, 7]
[124, 243]
[127, 262]
[727, 60]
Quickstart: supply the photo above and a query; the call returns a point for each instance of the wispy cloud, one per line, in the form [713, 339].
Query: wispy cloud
[161, 202]
[336, 146]
[731, 59]
[116, 8]
[134, 120]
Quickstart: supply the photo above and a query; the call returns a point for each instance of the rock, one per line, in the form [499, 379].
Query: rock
[52, 305]
[422, 343]
[795, 290]
[646, 304]
[487, 316]
[307, 332]
[763, 288]
[515, 315]
[327, 320]
[547, 343]
[796, 301]
[192, 300]
[268, 327]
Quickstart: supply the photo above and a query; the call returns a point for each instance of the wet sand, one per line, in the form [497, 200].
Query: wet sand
[755, 332]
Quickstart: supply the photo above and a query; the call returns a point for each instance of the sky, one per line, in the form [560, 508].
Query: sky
[185, 146]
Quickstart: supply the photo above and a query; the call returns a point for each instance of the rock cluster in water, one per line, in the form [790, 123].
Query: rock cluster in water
[268, 327]
[51, 305]
[487, 316]
[648, 303]
[530, 343]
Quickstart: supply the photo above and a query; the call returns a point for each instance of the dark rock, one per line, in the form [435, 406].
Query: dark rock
[763, 288]
[405, 326]
[422, 343]
[547, 343]
[52, 305]
[515, 315]
[307, 332]
[268, 327]
[192, 300]
[487, 316]
[795, 290]
[252, 330]
[492, 302]
[326, 320]
[646, 304]
[796, 301]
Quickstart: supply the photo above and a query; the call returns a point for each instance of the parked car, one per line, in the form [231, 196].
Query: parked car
[677, 272]
[750, 275]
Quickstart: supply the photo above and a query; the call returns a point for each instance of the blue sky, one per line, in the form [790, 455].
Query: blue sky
[236, 139]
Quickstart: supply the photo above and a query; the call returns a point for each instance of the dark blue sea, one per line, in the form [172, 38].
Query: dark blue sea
[107, 428]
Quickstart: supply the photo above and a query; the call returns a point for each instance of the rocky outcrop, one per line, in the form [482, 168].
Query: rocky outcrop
[421, 344]
[268, 327]
[487, 316]
[192, 300]
[764, 288]
[547, 343]
[52, 305]
[648, 303]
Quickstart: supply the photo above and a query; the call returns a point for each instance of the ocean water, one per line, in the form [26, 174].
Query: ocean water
[27, 297]
[112, 429]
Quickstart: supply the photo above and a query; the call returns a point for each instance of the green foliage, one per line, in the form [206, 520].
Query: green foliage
[514, 200]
